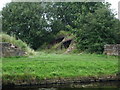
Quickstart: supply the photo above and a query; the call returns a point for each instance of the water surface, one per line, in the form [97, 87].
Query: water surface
[111, 85]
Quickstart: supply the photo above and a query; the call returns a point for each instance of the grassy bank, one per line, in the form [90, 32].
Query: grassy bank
[43, 66]
[19, 43]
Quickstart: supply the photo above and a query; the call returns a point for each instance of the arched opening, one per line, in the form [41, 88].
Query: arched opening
[67, 43]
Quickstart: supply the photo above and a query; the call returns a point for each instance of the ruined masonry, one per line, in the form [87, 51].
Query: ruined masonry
[112, 49]
[10, 50]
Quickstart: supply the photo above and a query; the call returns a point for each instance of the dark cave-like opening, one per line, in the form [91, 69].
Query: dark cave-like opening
[67, 43]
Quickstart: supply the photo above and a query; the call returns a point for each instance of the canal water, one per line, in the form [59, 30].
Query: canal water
[111, 85]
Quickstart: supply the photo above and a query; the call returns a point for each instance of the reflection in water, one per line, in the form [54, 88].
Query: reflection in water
[91, 86]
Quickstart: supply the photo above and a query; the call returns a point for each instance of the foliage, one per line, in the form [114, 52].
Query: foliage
[97, 29]
[63, 33]
[38, 24]
[93, 24]
[28, 22]
[69, 12]
[6, 38]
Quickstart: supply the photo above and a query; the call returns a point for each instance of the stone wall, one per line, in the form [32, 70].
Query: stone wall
[10, 50]
[112, 49]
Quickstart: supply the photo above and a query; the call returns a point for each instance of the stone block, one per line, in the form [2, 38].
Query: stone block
[10, 50]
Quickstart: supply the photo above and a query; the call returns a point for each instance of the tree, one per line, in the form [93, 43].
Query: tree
[37, 23]
[93, 24]
[69, 12]
[97, 29]
[29, 22]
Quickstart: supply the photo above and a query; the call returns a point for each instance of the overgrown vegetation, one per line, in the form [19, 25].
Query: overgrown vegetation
[45, 66]
[11, 39]
[27, 22]
[92, 23]
[99, 29]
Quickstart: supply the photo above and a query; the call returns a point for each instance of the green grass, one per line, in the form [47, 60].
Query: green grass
[45, 65]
